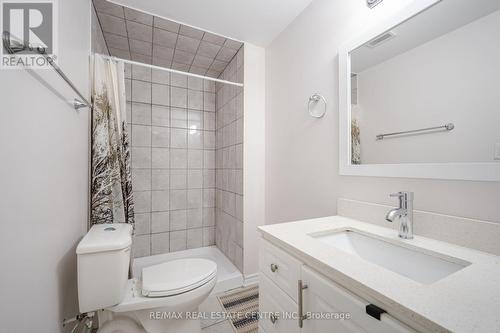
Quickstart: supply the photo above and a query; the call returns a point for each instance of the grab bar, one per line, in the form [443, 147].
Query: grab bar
[447, 127]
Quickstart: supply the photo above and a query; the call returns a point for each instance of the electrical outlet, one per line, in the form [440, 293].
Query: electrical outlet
[497, 151]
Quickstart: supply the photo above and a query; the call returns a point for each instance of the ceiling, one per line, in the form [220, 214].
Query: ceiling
[134, 35]
[438, 20]
[255, 21]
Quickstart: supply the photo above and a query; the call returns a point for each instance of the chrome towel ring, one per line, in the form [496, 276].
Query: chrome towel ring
[315, 100]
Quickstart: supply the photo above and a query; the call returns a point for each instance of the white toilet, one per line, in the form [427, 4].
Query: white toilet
[165, 300]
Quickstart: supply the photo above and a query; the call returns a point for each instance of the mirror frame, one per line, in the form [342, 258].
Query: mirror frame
[480, 171]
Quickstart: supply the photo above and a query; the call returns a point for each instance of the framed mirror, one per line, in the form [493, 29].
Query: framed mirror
[420, 94]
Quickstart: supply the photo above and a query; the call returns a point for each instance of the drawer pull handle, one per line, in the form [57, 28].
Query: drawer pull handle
[374, 311]
[302, 316]
[273, 318]
[274, 268]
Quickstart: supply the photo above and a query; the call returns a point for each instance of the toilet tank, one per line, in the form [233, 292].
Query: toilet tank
[103, 257]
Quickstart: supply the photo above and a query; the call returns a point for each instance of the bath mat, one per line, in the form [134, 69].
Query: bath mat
[242, 307]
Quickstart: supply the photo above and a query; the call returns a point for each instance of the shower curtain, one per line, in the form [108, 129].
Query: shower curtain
[355, 142]
[111, 181]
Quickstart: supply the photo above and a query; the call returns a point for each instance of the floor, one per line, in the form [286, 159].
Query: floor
[212, 305]
[222, 327]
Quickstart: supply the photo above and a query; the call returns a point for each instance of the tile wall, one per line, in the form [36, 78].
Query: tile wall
[229, 163]
[98, 43]
[131, 34]
[186, 133]
[172, 128]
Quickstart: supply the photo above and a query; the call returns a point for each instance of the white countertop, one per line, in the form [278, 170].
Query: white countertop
[465, 301]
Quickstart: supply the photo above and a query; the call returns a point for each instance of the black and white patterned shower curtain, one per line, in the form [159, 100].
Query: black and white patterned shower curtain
[111, 181]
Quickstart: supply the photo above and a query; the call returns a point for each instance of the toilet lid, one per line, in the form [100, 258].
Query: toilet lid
[177, 276]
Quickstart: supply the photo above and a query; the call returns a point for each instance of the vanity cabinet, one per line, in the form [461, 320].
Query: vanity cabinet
[282, 300]
[274, 302]
[280, 268]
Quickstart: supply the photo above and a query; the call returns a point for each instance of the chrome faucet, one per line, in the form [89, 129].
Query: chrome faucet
[404, 213]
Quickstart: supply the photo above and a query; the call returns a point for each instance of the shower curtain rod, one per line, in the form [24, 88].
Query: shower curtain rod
[171, 70]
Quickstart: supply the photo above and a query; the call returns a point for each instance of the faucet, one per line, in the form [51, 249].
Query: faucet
[404, 213]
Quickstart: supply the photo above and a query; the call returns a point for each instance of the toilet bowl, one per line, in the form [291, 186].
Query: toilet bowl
[167, 298]
[164, 300]
[121, 325]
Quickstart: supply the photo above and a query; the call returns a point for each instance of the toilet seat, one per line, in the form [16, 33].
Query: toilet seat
[177, 276]
[185, 295]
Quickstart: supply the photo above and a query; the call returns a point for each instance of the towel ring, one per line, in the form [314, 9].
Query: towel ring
[316, 98]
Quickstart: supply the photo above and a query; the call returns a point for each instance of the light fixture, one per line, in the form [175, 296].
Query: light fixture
[373, 3]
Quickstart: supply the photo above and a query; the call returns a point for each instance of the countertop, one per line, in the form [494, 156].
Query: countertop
[465, 301]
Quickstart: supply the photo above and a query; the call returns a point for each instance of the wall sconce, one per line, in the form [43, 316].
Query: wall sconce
[373, 3]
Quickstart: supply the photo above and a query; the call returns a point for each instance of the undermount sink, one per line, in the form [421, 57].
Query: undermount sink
[418, 266]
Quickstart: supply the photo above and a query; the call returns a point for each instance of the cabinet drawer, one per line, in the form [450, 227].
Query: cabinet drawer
[274, 300]
[325, 296]
[280, 267]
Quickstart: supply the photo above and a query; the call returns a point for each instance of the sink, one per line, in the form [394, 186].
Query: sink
[418, 266]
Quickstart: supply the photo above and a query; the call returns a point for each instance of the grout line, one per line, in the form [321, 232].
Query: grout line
[100, 27]
[215, 162]
[173, 71]
[171, 20]
[151, 168]
[131, 150]
[152, 43]
[209, 228]
[235, 55]
[175, 50]
[128, 38]
[124, 18]
[196, 53]
[204, 150]
[215, 58]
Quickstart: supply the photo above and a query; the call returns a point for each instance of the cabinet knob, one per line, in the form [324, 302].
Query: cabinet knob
[273, 318]
[274, 268]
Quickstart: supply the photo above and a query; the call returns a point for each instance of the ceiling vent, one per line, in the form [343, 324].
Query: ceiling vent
[379, 40]
[373, 3]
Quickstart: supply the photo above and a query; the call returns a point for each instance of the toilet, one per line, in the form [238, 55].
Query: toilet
[164, 300]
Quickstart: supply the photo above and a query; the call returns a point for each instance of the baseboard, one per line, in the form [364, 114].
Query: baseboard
[250, 279]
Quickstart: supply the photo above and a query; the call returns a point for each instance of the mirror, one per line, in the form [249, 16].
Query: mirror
[425, 90]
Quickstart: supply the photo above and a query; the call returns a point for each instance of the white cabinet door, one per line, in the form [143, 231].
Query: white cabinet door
[272, 300]
[279, 267]
[324, 297]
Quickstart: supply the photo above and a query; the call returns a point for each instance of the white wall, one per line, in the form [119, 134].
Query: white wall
[253, 153]
[44, 180]
[453, 78]
[302, 179]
